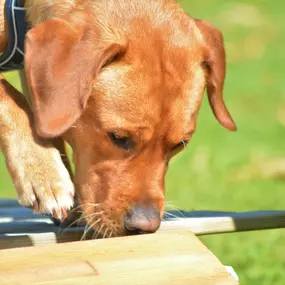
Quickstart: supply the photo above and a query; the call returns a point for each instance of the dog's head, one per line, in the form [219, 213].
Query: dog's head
[124, 89]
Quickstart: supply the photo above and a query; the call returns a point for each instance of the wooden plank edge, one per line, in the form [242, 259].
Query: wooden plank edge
[117, 261]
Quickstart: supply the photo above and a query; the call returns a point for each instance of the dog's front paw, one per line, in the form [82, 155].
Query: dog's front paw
[40, 177]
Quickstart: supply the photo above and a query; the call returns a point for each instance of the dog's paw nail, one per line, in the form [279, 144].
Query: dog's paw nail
[60, 214]
[64, 213]
[57, 214]
[36, 207]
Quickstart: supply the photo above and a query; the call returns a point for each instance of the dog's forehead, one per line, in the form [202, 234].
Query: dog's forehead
[130, 97]
[158, 80]
[126, 98]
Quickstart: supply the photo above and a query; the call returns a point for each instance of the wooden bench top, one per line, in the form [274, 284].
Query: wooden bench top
[20, 227]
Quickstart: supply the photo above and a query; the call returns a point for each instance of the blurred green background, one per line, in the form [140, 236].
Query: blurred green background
[240, 171]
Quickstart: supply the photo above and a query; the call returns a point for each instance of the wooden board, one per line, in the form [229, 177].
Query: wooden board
[162, 258]
[20, 227]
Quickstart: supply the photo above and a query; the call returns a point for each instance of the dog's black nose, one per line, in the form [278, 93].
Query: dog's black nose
[142, 219]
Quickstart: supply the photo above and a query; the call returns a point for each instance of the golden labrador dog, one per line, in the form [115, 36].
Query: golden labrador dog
[121, 82]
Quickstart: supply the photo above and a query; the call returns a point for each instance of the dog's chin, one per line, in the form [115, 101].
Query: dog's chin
[101, 225]
[103, 230]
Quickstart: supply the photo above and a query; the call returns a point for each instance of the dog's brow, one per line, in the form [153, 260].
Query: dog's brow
[139, 130]
[125, 127]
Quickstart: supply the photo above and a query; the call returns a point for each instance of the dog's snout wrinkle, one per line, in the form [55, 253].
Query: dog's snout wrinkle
[142, 219]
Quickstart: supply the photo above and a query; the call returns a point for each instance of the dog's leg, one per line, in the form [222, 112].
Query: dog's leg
[75, 213]
[39, 175]
[59, 144]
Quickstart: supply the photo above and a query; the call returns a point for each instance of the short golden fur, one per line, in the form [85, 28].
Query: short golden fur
[122, 83]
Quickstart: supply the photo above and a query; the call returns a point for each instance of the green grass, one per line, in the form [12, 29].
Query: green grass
[206, 175]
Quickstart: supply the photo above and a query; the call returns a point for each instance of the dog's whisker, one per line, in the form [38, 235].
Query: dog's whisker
[105, 233]
[94, 214]
[91, 204]
[91, 214]
[170, 206]
[74, 209]
[95, 235]
[84, 232]
[99, 231]
[88, 205]
[81, 218]
[90, 228]
[167, 214]
[77, 221]
[63, 229]
[78, 209]
[178, 213]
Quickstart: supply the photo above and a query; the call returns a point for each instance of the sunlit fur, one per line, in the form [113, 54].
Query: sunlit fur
[150, 91]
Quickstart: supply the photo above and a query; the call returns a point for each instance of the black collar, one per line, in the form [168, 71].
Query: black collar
[13, 56]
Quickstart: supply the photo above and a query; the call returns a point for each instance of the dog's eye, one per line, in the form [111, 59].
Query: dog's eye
[176, 149]
[180, 145]
[121, 141]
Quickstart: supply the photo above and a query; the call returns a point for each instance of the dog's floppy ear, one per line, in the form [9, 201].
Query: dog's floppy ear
[63, 57]
[215, 63]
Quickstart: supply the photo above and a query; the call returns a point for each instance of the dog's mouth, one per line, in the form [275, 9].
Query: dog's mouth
[99, 225]
[96, 221]
[103, 223]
